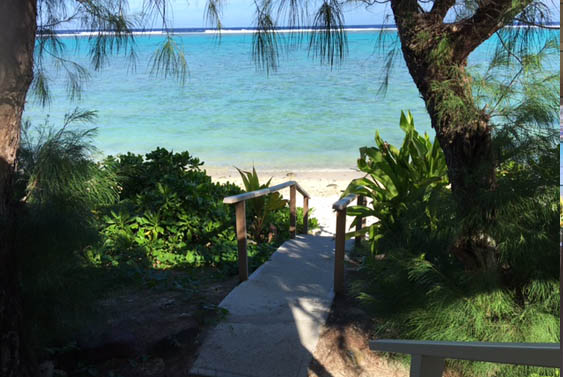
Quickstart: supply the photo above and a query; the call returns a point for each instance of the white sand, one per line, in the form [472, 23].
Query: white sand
[324, 186]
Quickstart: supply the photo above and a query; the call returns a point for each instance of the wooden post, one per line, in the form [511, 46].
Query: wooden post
[305, 215]
[426, 366]
[339, 251]
[292, 210]
[362, 223]
[240, 208]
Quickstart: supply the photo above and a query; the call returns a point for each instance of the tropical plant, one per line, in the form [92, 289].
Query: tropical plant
[169, 213]
[59, 187]
[435, 40]
[55, 164]
[398, 181]
[418, 289]
[261, 209]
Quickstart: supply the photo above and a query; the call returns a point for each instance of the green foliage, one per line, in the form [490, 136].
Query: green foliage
[169, 59]
[260, 210]
[518, 91]
[55, 164]
[169, 213]
[527, 213]
[402, 184]
[100, 226]
[58, 186]
[420, 290]
[281, 219]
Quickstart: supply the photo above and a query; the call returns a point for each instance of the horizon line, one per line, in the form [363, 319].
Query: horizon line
[550, 25]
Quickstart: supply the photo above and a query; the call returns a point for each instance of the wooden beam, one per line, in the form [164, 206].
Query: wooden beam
[240, 209]
[426, 366]
[339, 251]
[305, 215]
[265, 191]
[292, 210]
[534, 354]
[361, 223]
[343, 203]
[303, 192]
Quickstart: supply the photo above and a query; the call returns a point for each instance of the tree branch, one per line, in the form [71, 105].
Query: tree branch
[404, 9]
[441, 8]
[488, 19]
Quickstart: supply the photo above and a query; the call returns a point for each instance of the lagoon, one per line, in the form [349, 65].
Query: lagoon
[303, 116]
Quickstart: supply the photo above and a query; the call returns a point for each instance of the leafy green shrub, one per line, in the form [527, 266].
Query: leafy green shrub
[55, 165]
[419, 290]
[260, 210]
[402, 183]
[281, 219]
[87, 228]
[58, 186]
[170, 213]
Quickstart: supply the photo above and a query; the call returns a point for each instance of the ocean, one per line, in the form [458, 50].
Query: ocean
[303, 116]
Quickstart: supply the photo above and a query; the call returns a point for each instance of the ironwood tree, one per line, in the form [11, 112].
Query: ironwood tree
[434, 44]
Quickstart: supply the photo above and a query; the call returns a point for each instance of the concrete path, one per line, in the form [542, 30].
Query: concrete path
[275, 317]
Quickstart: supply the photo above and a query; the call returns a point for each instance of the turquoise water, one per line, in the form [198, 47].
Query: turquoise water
[303, 116]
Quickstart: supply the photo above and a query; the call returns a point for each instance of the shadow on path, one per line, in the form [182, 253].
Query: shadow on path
[275, 318]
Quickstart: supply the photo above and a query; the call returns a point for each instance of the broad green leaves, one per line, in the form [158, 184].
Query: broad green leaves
[397, 180]
[260, 209]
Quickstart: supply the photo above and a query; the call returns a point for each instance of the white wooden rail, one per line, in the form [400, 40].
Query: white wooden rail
[240, 210]
[428, 357]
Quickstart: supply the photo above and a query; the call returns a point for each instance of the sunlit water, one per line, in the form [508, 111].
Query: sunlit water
[305, 115]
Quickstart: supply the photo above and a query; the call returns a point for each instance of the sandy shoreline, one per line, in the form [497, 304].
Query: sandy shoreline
[318, 183]
[325, 187]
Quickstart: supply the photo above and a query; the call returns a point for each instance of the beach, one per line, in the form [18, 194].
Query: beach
[324, 186]
[304, 122]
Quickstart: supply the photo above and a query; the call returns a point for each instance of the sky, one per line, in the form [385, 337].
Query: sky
[240, 13]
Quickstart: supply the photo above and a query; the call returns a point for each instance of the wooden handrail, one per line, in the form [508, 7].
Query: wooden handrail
[344, 202]
[265, 191]
[428, 357]
[340, 240]
[240, 210]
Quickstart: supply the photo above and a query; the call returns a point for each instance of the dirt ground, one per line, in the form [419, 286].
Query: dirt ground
[156, 331]
[153, 331]
[343, 349]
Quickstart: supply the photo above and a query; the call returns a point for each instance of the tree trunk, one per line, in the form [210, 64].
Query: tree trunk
[437, 66]
[17, 39]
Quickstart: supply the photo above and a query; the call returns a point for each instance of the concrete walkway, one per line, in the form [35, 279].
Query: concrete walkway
[275, 317]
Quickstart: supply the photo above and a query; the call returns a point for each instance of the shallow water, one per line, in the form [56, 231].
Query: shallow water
[305, 115]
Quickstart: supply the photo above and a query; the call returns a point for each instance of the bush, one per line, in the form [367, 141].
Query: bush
[87, 228]
[419, 289]
[58, 185]
[171, 214]
[405, 186]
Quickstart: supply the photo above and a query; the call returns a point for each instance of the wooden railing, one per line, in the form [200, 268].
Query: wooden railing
[428, 358]
[240, 209]
[340, 240]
